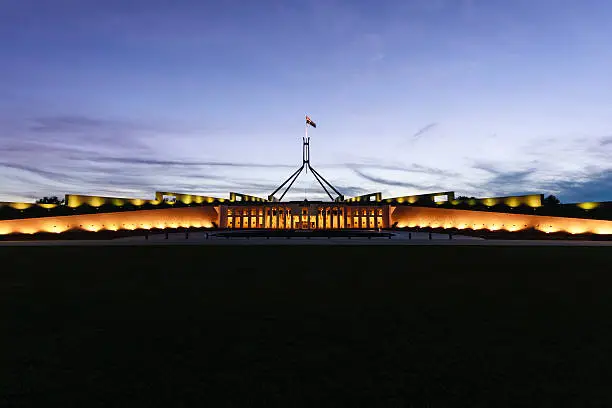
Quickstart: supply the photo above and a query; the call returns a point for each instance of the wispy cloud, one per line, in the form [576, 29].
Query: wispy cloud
[351, 191]
[54, 124]
[501, 181]
[587, 185]
[415, 168]
[186, 163]
[24, 149]
[59, 138]
[87, 130]
[434, 171]
[598, 188]
[49, 175]
[424, 130]
[394, 183]
[606, 141]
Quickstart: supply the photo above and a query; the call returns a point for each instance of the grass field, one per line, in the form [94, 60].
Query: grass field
[310, 326]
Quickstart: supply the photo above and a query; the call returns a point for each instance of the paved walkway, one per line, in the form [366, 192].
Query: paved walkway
[400, 238]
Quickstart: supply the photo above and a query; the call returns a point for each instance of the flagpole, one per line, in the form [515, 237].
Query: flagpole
[306, 140]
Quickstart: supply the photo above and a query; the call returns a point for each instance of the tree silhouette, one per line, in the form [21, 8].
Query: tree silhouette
[50, 200]
[551, 201]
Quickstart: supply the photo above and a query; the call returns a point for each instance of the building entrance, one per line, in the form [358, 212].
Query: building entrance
[295, 216]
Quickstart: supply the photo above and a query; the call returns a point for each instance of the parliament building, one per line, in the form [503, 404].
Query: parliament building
[172, 210]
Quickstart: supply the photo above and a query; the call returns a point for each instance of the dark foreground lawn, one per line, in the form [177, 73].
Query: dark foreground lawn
[310, 326]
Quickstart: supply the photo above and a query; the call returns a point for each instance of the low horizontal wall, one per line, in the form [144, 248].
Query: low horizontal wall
[76, 200]
[493, 221]
[25, 206]
[116, 221]
[187, 198]
[404, 216]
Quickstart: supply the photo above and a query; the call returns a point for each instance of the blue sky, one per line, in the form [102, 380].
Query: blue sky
[481, 97]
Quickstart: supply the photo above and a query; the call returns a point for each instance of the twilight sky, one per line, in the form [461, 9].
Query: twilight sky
[481, 97]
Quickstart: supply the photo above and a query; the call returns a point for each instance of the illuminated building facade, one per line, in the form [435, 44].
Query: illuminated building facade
[307, 215]
[169, 210]
[172, 211]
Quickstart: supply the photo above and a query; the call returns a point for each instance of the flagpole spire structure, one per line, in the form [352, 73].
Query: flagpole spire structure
[305, 166]
[306, 139]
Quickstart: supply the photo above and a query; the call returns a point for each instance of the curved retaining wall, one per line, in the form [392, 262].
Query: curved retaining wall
[405, 216]
[115, 221]
[493, 221]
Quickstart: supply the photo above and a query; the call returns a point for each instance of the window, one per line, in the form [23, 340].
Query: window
[169, 198]
[440, 198]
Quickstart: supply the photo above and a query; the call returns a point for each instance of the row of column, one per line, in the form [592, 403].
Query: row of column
[281, 217]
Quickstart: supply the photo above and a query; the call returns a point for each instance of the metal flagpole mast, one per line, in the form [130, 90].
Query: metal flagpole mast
[306, 140]
[305, 166]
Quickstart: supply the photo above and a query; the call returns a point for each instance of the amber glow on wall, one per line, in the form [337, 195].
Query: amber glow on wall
[374, 197]
[75, 201]
[530, 200]
[450, 195]
[137, 202]
[294, 216]
[188, 198]
[244, 197]
[587, 206]
[25, 206]
[115, 221]
[479, 220]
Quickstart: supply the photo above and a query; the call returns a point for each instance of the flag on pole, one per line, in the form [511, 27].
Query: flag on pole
[310, 122]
